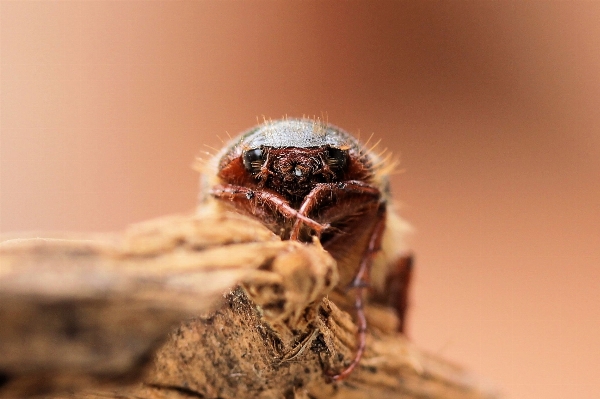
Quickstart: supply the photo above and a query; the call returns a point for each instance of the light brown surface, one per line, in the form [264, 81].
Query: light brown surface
[493, 106]
[156, 312]
[76, 312]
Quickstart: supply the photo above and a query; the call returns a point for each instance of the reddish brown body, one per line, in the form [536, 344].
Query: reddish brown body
[302, 179]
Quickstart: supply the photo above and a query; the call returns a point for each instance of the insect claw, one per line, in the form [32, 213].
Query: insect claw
[344, 373]
[324, 227]
[331, 377]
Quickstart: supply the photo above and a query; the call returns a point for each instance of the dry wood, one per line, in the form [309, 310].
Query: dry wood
[155, 313]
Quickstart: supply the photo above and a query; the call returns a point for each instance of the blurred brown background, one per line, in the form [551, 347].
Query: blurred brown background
[494, 108]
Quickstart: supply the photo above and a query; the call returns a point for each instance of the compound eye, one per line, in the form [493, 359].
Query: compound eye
[337, 158]
[253, 160]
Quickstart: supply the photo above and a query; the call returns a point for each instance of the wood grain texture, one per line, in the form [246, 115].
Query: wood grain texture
[205, 307]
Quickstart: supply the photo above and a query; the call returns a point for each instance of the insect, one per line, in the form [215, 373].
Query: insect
[305, 178]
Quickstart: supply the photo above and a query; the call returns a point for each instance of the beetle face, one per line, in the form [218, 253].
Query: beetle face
[290, 157]
[293, 172]
[302, 178]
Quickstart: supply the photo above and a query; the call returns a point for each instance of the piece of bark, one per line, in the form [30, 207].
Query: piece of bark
[77, 310]
[80, 315]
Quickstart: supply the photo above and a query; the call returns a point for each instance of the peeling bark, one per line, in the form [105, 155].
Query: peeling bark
[196, 307]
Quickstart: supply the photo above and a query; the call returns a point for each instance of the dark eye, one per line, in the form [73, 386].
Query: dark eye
[337, 158]
[253, 160]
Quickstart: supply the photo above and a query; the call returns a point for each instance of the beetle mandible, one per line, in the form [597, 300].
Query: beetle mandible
[305, 178]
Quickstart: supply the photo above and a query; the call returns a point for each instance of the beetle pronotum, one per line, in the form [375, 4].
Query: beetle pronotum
[304, 178]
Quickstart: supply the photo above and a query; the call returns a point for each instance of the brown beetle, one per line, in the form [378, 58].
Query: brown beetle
[304, 178]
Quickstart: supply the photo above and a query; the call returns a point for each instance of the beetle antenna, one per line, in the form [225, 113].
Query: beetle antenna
[360, 283]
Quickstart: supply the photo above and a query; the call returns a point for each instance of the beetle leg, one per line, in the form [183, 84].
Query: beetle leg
[322, 191]
[255, 203]
[360, 284]
[397, 284]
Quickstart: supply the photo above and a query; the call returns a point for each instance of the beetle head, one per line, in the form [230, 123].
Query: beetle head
[291, 156]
